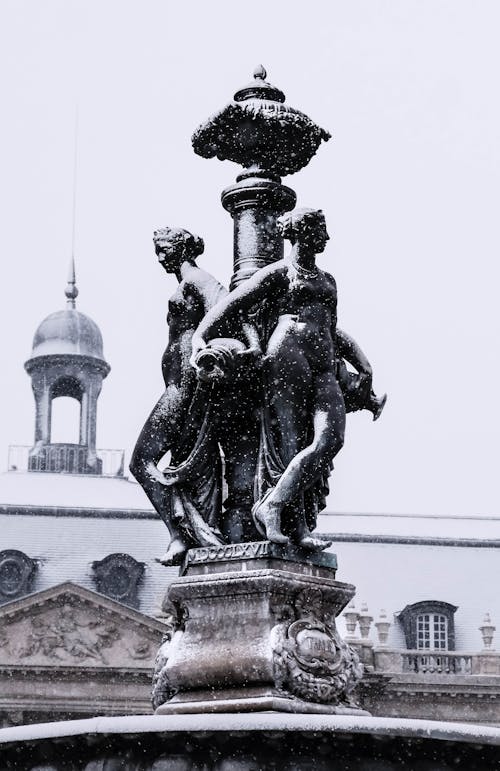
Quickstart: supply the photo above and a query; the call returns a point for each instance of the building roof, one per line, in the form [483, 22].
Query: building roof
[65, 549]
[66, 522]
[122, 496]
[408, 528]
[98, 494]
[388, 573]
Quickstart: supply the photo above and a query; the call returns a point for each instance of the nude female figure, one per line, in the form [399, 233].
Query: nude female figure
[304, 413]
[188, 501]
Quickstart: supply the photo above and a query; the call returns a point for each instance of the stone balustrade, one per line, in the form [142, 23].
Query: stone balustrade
[388, 661]
[437, 663]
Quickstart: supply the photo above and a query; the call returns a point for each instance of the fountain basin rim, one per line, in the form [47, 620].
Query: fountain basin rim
[263, 721]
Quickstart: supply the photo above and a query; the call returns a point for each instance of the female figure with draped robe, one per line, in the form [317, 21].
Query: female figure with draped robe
[187, 494]
[303, 417]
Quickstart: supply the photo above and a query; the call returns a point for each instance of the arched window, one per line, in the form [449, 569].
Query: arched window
[429, 625]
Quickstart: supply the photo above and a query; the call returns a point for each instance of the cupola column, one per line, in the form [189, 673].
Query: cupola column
[84, 419]
[43, 411]
[88, 416]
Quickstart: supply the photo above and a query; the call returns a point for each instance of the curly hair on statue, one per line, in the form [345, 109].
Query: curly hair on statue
[299, 222]
[193, 245]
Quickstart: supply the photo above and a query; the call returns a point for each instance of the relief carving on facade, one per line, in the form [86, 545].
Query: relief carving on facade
[74, 633]
[68, 634]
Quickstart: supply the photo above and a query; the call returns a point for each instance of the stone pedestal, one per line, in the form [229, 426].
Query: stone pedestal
[256, 631]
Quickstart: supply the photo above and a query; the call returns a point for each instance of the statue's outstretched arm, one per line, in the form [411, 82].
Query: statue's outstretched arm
[236, 305]
[348, 349]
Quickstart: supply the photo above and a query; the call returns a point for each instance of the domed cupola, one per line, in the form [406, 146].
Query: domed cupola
[68, 332]
[67, 360]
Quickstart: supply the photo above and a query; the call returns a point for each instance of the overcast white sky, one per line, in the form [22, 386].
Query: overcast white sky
[409, 183]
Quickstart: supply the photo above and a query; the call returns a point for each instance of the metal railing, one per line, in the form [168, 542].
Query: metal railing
[61, 458]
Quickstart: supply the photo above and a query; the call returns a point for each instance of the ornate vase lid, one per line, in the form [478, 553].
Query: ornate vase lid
[259, 131]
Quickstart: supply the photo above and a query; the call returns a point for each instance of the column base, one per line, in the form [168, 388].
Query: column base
[253, 700]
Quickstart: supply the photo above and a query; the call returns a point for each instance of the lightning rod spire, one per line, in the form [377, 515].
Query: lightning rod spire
[71, 290]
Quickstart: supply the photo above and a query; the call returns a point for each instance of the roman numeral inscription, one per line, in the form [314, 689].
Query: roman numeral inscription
[236, 551]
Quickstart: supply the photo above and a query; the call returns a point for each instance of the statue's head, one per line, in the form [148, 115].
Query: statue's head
[175, 245]
[306, 226]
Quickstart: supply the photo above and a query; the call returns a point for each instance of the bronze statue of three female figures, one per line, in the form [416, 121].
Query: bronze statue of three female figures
[261, 373]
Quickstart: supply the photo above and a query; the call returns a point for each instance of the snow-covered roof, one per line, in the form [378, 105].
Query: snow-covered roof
[67, 522]
[387, 575]
[66, 548]
[79, 494]
[401, 527]
[71, 491]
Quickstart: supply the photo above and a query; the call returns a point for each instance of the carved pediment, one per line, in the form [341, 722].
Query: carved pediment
[68, 626]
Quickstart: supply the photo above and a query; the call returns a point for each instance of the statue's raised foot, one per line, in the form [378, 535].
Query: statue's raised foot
[175, 553]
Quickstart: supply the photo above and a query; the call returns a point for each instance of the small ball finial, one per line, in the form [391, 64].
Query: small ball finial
[71, 290]
[260, 73]
[71, 293]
